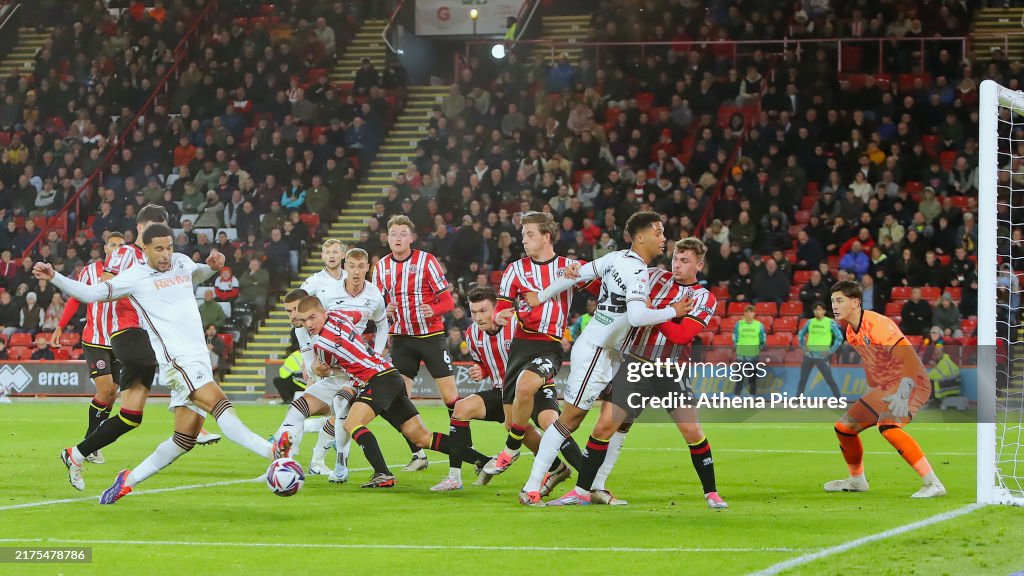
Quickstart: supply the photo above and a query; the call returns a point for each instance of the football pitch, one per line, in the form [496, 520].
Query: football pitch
[208, 513]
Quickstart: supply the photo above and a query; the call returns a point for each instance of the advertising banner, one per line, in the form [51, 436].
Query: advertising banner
[451, 17]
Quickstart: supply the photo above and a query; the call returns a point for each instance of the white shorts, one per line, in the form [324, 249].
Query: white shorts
[592, 369]
[327, 388]
[184, 375]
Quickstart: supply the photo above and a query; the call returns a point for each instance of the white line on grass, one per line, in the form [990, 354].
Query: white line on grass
[840, 548]
[170, 489]
[779, 451]
[369, 546]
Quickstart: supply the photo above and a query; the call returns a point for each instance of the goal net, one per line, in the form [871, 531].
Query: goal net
[1000, 331]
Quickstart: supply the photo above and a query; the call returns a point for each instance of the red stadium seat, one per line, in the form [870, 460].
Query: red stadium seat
[722, 339]
[947, 159]
[768, 322]
[720, 293]
[785, 324]
[802, 216]
[779, 339]
[968, 325]
[714, 322]
[893, 308]
[802, 277]
[721, 355]
[496, 277]
[77, 353]
[766, 308]
[62, 353]
[913, 186]
[792, 308]
[707, 336]
[737, 308]
[774, 356]
[956, 292]
[20, 339]
[900, 292]
[728, 323]
[931, 294]
[19, 353]
[915, 340]
[958, 201]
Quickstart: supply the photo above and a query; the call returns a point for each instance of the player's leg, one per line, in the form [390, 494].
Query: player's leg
[805, 370]
[323, 392]
[472, 407]
[608, 423]
[545, 413]
[209, 398]
[187, 424]
[700, 453]
[406, 357]
[309, 404]
[830, 379]
[892, 430]
[361, 413]
[530, 366]
[342, 441]
[599, 493]
[858, 418]
[99, 409]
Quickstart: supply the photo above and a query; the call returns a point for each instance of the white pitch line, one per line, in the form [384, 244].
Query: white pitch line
[334, 546]
[780, 451]
[840, 548]
[170, 489]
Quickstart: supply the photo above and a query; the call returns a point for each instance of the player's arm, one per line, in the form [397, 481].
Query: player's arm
[204, 272]
[442, 303]
[681, 331]
[837, 338]
[888, 335]
[479, 370]
[587, 274]
[801, 336]
[507, 292]
[380, 319]
[638, 312]
[107, 291]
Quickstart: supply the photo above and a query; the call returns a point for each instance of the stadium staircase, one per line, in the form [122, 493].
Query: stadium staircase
[22, 56]
[366, 44]
[566, 29]
[998, 28]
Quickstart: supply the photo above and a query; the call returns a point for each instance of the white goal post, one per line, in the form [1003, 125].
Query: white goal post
[1000, 402]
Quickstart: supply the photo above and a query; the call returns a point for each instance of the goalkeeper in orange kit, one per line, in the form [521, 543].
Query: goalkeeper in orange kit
[899, 387]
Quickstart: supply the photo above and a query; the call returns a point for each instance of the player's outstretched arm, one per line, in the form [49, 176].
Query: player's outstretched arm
[204, 272]
[586, 274]
[102, 292]
[638, 313]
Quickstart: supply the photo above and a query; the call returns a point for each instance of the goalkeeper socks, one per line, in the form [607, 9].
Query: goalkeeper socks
[98, 412]
[166, 453]
[907, 447]
[368, 442]
[853, 450]
[108, 432]
[704, 464]
[597, 450]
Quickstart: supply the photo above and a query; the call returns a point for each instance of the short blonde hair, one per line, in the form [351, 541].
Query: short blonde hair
[401, 220]
[692, 244]
[332, 242]
[357, 254]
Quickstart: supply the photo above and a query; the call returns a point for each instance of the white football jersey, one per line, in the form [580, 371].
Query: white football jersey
[370, 302]
[165, 300]
[325, 287]
[623, 277]
[306, 351]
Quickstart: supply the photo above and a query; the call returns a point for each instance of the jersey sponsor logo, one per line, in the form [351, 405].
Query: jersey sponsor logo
[169, 282]
[602, 318]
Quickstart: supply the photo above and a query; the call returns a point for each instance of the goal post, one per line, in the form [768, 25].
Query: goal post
[1000, 465]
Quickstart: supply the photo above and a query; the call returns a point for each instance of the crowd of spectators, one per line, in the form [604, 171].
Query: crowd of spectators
[246, 148]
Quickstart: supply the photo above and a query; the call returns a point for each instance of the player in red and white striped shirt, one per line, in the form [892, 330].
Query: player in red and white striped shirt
[670, 341]
[417, 296]
[536, 353]
[339, 346]
[99, 318]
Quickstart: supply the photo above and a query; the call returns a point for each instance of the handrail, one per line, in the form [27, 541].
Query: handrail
[180, 51]
[522, 25]
[9, 38]
[390, 24]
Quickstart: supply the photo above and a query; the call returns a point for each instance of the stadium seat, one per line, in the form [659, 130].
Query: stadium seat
[77, 353]
[774, 356]
[955, 292]
[19, 353]
[894, 308]
[496, 277]
[779, 339]
[61, 353]
[714, 322]
[721, 355]
[728, 323]
[768, 322]
[707, 336]
[915, 340]
[968, 325]
[900, 292]
[802, 277]
[931, 294]
[20, 339]
[766, 309]
[737, 308]
[720, 293]
[791, 308]
[785, 324]
[70, 339]
[722, 339]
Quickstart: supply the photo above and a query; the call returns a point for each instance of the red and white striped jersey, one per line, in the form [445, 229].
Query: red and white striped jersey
[527, 275]
[408, 284]
[125, 315]
[490, 351]
[340, 345]
[647, 341]
[99, 316]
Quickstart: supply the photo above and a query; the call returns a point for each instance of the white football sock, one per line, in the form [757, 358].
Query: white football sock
[315, 424]
[293, 425]
[550, 443]
[324, 440]
[342, 440]
[614, 447]
[240, 434]
[167, 452]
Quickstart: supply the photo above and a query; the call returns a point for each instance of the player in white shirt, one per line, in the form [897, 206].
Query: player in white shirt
[332, 395]
[328, 284]
[163, 292]
[595, 355]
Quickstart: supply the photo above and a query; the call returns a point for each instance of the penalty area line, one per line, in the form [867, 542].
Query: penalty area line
[371, 546]
[845, 546]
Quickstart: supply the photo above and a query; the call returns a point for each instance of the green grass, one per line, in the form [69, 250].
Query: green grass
[771, 474]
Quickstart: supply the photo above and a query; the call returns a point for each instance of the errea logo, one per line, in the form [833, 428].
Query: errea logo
[16, 379]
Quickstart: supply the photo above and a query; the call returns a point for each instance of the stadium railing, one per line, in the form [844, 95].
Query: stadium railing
[61, 221]
[10, 22]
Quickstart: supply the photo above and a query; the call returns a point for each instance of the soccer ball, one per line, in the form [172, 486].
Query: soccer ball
[285, 477]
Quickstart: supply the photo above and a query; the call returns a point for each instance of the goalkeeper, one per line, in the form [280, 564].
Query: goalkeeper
[899, 387]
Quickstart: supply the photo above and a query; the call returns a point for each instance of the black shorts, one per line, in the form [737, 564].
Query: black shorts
[132, 349]
[542, 357]
[493, 406]
[545, 399]
[408, 351]
[385, 393]
[629, 395]
[101, 362]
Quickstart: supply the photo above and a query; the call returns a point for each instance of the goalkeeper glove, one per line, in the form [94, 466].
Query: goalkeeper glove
[899, 402]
